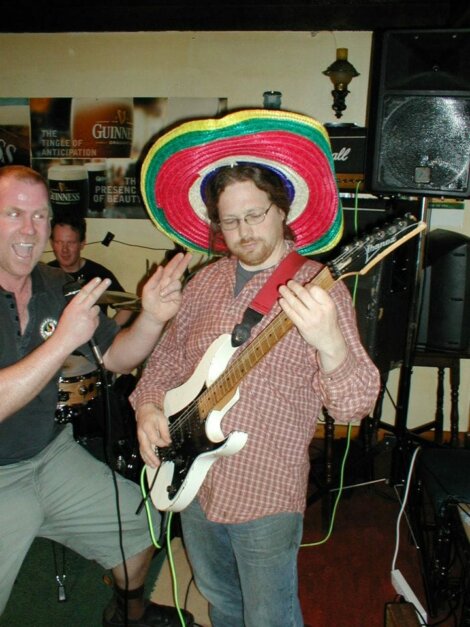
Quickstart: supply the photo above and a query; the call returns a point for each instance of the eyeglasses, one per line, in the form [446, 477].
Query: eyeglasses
[255, 216]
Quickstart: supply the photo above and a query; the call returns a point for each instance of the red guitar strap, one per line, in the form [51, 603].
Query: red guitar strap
[264, 300]
[268, 294]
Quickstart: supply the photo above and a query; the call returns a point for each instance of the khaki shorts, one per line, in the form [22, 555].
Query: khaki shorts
[67, 495]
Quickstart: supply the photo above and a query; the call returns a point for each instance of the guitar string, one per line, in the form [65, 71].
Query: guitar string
[223, 385]
[281, 323]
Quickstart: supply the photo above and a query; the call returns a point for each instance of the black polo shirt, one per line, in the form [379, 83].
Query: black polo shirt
[89, 271]
[29, 430]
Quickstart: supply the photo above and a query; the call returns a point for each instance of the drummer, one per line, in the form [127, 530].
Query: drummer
[68, 238]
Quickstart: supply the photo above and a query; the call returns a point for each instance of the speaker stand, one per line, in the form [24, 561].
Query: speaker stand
[400, 427]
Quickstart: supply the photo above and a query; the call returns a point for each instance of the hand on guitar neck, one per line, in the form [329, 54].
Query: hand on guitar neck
[312, 310]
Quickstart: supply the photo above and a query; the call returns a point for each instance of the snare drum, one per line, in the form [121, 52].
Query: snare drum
[79, 396]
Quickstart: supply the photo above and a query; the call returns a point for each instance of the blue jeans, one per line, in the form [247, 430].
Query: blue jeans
[246, 571]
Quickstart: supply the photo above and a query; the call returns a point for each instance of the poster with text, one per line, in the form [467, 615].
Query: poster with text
[15, 148]
[90, 149]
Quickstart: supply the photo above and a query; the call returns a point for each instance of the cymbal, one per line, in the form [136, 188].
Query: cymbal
[109, 297]
[129, 305]
[76, 365]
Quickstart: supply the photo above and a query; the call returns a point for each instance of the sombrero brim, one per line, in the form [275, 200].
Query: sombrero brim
[297, 147]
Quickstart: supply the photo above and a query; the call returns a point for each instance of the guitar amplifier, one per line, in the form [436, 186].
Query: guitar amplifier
[383, 294]
[348, 144]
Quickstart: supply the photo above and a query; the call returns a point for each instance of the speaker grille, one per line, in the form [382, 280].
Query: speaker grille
[419, 114]
[424, 145]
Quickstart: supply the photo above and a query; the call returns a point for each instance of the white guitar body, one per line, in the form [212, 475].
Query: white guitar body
[197, 437]
[162, 486]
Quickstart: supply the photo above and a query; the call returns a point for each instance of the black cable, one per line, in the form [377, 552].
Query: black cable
[123, 243]
[186, 596]
[135, 245]
[107, 441]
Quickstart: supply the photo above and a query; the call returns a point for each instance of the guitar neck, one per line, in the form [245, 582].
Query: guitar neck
[356, 258]
[224, 385]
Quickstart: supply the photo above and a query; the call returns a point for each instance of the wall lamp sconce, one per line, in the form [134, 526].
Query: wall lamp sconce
[341, 73]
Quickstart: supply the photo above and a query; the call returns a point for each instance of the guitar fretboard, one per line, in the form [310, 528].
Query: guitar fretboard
[224, 385]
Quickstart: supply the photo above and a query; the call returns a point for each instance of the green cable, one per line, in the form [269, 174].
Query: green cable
[168, 544]
[348, 438]
[340, 492]
[173, 570]
[147, 508]
[356, 230]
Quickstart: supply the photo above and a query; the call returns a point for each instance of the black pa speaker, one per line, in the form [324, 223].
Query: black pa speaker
[419, 113]
[444, 319]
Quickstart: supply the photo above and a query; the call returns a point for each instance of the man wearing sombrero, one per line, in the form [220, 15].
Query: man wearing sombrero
[256, 184]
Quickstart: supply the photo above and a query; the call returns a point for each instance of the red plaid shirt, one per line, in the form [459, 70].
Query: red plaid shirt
[280, 399]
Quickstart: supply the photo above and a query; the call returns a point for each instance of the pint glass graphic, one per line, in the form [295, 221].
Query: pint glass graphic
[68, 189]
[97, 185]
[102, 127]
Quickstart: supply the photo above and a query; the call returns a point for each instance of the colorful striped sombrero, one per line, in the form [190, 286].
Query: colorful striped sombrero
[296, 147]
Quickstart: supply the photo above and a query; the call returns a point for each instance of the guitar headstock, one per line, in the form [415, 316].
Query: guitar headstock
[361, 255]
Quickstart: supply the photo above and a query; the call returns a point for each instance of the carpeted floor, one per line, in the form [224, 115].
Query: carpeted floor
[344, 582]
[34, 600]
[187, 594]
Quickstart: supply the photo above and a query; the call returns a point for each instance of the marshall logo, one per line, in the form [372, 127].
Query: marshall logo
[348, 144]
[342, 155]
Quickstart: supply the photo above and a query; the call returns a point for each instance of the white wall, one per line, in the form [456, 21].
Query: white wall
[237, 65]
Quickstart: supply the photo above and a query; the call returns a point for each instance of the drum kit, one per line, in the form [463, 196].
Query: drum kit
[79, 397]
[120, 300]
[81, 403]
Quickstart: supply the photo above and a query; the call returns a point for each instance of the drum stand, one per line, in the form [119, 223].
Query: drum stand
[60, 578]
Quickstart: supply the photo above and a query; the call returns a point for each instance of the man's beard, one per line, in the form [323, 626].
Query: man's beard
[253, 257]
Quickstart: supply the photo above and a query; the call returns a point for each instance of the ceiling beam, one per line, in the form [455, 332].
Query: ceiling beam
[277, 15]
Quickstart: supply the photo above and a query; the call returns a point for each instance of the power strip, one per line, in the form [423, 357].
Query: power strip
[403, 588]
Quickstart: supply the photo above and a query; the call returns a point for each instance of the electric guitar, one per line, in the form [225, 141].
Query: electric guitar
[195, 409]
